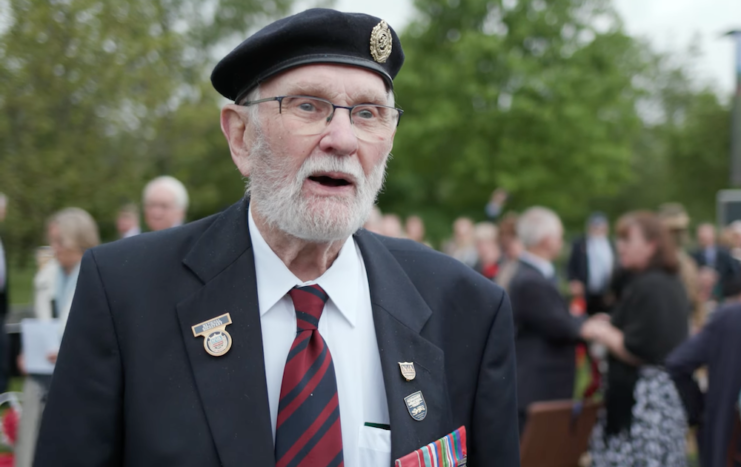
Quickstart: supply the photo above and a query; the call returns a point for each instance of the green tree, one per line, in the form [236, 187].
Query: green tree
[531, 96]
[682, 153]
[98, 95]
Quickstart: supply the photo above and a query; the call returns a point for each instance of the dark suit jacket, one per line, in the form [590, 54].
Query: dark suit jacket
[725, 265]
[719, 347]
[134, 387]
[546, 337]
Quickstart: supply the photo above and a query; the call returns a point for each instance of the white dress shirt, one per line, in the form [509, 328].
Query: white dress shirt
[600, 260]
[347, 327]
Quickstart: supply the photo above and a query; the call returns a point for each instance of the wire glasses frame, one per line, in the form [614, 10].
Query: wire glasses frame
[308, 115]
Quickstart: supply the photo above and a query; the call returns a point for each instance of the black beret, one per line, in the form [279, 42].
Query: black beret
[318, 35]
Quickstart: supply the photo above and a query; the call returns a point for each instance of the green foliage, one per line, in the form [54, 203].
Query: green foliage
[527, 95]
[684, 155]
[549, 99]
[96, 96]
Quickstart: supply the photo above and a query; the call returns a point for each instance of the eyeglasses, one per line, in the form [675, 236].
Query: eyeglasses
[306, 115]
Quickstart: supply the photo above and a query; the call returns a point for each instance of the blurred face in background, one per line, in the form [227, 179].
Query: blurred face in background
[488, 251]
[463, 231]
[391, 226]
[415, 229]
[634, 249]
[125, 222]
[706, 235]
[161, 210]
[599, 229]
[67, 255]
[512, 247]
[553, 244]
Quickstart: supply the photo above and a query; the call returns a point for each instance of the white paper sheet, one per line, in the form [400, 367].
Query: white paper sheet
[39, 337]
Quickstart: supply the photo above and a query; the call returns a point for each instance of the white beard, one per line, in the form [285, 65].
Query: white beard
[278, 199]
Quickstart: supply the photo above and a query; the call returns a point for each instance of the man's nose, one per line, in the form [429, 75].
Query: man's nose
[340, 137]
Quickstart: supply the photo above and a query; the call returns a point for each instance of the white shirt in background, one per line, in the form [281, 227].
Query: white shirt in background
[600, 261]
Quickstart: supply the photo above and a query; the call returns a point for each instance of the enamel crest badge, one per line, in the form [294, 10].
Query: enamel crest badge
[217, 341]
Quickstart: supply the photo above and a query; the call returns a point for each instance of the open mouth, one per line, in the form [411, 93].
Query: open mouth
[330, 181]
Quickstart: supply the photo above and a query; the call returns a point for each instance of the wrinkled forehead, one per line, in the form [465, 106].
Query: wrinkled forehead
[333, 82]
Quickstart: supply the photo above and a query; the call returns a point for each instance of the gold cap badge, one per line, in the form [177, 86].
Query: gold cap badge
[380, 42]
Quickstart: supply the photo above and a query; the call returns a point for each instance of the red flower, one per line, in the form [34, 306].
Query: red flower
[10, 427]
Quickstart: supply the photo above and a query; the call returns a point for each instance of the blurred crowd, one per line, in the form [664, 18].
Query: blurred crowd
[647, 304]
[650, 305]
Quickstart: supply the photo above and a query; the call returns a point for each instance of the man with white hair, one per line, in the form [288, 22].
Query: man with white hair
[279, 332]
[546, 334]
[165, 203]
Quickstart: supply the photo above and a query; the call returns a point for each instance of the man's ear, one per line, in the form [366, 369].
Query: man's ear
[234, 126]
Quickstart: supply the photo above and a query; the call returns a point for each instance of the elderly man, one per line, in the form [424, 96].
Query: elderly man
[279, 332]
[546, 333]
[165, 203]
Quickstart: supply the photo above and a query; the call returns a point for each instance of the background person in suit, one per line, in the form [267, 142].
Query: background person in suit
[718, 347]
[546, 334]
[273, 332]
[592, 264]
[711, 255]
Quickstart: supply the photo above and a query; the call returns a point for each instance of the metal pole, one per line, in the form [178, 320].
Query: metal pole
[736, 116]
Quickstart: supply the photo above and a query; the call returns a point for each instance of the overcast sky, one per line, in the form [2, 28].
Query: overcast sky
[669, 25]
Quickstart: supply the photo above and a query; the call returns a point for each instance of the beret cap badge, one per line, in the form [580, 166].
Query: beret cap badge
[380, 42]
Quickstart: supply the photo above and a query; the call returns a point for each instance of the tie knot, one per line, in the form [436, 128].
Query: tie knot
[309, 303]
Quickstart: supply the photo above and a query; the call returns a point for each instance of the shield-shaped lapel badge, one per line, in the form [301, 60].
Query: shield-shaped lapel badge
[407, 370]
[416, 406]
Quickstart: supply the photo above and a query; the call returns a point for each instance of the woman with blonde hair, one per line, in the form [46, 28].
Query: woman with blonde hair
[70, 232]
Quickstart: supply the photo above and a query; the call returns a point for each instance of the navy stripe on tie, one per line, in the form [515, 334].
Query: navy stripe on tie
[297, 350]
[315, 439]
[336, 461]
[296, 425]
[308, 318]
[288, 398]
[312, 290]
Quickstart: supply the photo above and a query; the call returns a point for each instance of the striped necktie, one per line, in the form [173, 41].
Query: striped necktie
[308, 430]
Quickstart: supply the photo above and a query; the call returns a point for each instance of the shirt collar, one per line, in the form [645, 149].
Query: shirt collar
[545, 267]
[274, 279]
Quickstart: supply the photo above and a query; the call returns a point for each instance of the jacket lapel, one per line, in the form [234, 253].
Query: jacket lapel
[400, 313]
[232, 387]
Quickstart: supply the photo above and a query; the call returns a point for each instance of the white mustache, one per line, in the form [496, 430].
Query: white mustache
[350, 168]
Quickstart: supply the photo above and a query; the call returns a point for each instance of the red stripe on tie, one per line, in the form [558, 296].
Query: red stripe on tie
[300, 364]
[305, 393]
[326, 449]
[301, 442]
[308, 429]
